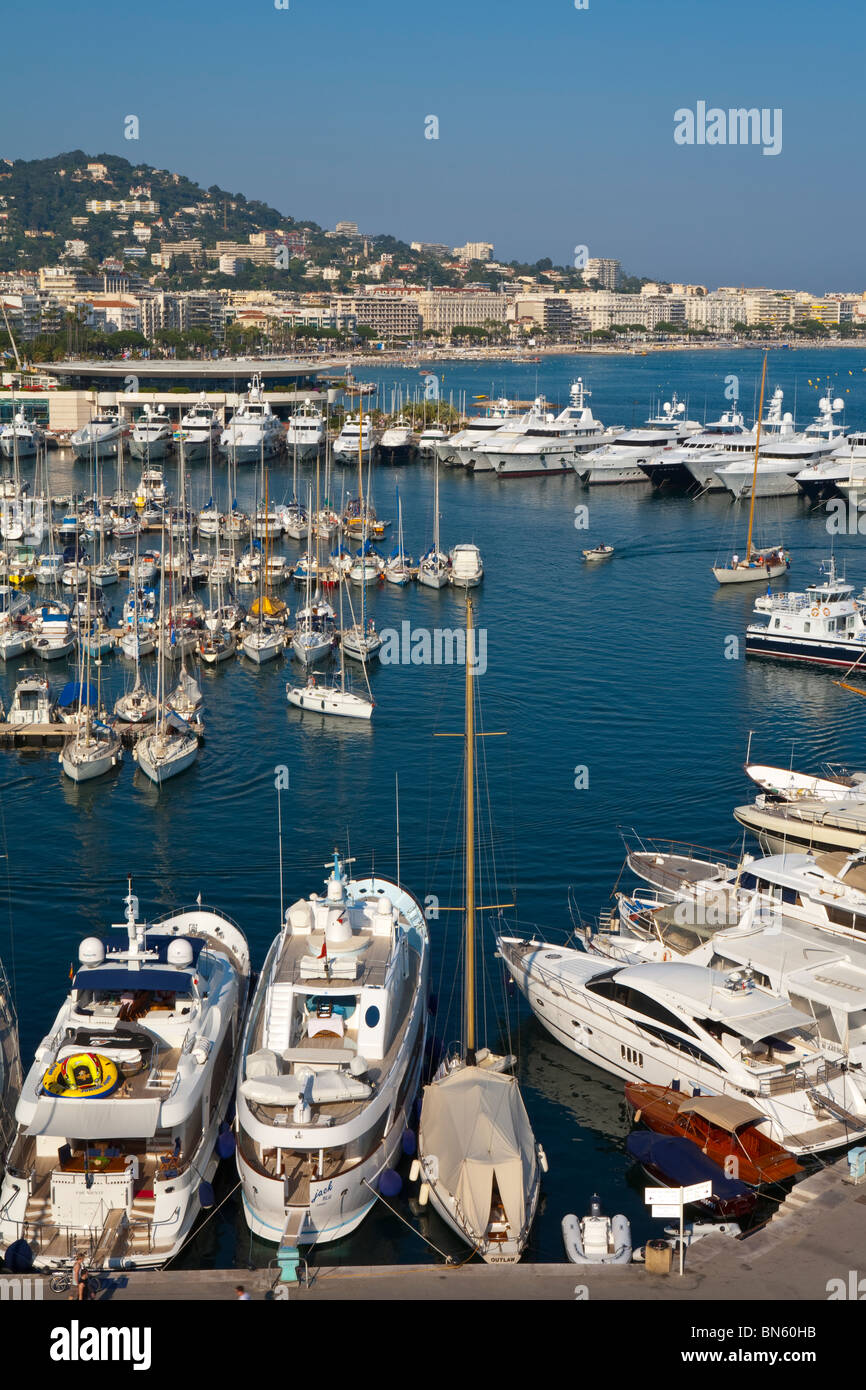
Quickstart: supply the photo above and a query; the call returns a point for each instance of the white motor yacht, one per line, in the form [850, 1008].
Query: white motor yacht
[622, 460]
[99, 437]
[707, 1030]
[122, 1116]
[783, 452]
[21, 436]
[200, 430]
[355, 438]
[331, 1059]
[151, 434]
[254, 431]
[306, 432]
[547, 443]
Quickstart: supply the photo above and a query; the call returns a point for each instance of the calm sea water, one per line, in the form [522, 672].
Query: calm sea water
[619, 669]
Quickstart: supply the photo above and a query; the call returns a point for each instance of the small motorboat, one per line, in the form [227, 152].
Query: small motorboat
[692, 1231]
[599, 552]
[597, 1239]
[674, 1161]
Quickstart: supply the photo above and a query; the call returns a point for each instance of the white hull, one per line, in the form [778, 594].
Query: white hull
[84, 762]
[160, 760]
[325, 700]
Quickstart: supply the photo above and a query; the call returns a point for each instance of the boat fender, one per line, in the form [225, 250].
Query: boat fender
[542, 1158]
[409, 1143]
[637, 1115]
[390, 1183]
[415, 1170]
[225, 1144]
[424, 1194]
[205, 1196]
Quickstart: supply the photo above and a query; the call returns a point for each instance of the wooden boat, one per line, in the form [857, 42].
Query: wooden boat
[599, 552]
[673, 1161]
[723, 1127]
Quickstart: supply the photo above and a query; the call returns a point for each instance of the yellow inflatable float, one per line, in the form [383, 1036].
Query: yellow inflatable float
[81, 1076]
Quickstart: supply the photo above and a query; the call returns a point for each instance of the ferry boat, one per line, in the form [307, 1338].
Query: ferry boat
[823, 626]
[331, 1059]
[119, 1120]
[702, 1029]
[254, 431]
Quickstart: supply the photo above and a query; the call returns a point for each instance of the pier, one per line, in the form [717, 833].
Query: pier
[817, 1236]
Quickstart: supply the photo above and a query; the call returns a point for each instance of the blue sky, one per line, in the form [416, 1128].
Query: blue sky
[555, 124]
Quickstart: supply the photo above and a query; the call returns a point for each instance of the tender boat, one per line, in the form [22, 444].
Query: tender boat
[597, 1239]
[599, 552]
[673, 1160]
[467, 568]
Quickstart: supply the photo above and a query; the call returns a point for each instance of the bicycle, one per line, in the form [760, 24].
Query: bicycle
[61, 1281]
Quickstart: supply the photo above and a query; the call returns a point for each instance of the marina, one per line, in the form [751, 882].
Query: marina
[215, 829]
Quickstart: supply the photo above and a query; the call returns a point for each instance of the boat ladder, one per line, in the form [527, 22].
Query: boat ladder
[855, 1122]
[605, 922]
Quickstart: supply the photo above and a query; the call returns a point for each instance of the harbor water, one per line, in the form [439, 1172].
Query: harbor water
[626, 699]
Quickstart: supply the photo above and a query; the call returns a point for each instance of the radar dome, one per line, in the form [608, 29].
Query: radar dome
[666, 406]
[824, 403]
[179, 952]
[91, 951]
[838, 404]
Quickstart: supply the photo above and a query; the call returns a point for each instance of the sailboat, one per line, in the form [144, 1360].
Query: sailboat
[263, 643]
[95, 748]
[433, 569]
[332, 699]
[361, 641]
[477, 1156]
[172, 747]
[398, 566]
[767, 564]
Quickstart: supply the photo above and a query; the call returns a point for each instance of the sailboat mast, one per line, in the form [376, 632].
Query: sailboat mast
[755, 471]
[470, 847]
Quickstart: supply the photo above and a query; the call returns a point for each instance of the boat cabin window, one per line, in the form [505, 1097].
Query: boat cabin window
[681, 1044]
[843, 917]
[611, 988]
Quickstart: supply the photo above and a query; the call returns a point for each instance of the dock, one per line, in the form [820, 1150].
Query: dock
[817, 1236]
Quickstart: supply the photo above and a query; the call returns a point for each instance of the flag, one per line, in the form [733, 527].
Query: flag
[323, 951]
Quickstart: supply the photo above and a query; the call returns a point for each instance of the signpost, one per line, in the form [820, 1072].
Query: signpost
[671, 1201]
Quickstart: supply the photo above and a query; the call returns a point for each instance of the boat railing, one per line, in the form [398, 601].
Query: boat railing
[783, 603]
[683, 849]
[148, 1226]
[797, 1077]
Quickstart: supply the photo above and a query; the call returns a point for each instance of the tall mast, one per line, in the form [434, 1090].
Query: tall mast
[470, 847]
[755, 471]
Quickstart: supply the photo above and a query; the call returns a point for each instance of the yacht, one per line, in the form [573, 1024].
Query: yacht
[199, 430]
[823, 626]
[306, 431]
[120, 1116]
[21, 436]
[467, 568]
[675, 468]
[783, 453]
[99, 437]
[432, 439]
[355, 438]
[824, 478]
[331, 1059]
[398, 443]
[31, 702]
[460, 449]
[550, 444]
[254, 431]
[151, 434]
[814, 824]
[622, 460]
[707, 1030]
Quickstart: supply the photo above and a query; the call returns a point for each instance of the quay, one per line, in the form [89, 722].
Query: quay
[817, 1236]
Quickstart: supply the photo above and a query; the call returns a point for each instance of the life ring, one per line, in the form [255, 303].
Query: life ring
[815, 612]
[81, 1076]
[826, 612]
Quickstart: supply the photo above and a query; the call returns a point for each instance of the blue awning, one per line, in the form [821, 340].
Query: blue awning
[681, 1162]
[118, 980]
[71, 692]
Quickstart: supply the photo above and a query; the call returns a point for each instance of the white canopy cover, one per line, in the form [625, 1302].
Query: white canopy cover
[475, 1123]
